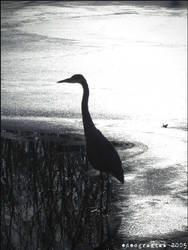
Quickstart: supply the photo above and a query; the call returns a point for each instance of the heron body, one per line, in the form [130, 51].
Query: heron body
[101, 153]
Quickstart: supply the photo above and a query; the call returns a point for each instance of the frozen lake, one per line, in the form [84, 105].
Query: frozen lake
[134, 59]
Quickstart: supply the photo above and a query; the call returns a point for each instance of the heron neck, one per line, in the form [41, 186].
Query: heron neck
[87, 121]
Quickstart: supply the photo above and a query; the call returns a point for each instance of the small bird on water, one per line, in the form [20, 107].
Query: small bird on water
[100, 152]
[165, 125]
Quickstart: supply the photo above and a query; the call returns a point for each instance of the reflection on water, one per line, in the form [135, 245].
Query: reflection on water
[51, 199]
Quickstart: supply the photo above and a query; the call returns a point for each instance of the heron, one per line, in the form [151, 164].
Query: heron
[100, 152]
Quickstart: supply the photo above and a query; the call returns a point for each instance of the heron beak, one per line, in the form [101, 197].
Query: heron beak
[65, 80]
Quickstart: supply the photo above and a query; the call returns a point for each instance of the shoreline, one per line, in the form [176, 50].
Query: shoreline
[64, 138]
[66, 131]
[39, 124]
[76, 140]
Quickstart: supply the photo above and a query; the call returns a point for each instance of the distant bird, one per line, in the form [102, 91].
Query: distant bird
[165, 125]
[100, 152]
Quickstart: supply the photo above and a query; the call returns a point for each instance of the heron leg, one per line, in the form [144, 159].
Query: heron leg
[104, 205]
[86, 162]
[101, 205]
[102, 191]
[108, 228]
[108, 194]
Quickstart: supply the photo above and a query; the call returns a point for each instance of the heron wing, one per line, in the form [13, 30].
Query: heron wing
[102, 154]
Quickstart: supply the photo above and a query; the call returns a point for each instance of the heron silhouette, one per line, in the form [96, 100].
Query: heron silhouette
[100, 152]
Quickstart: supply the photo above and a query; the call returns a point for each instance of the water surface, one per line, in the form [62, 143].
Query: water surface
[134, 58]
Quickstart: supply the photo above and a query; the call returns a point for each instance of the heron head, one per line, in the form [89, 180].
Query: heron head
[74, 79]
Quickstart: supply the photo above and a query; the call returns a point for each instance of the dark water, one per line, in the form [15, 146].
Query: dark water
[52, 198]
